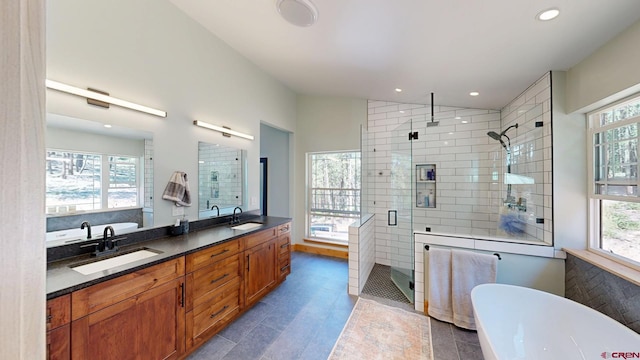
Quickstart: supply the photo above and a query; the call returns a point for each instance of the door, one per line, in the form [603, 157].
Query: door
[400, 216]
[147, 326]
[261, 270]
[264, 185]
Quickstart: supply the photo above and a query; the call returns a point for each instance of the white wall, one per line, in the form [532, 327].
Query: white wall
[569, 170]
[324, 124]
[609, 74]
[22, 159]
[274, 145]
[150, 52]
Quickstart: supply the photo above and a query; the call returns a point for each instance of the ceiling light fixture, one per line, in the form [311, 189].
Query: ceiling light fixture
[93, 95]
[398, 90]
[108, 126]
[224, 130]
[548, 14]
[298, 12]
[474, 93]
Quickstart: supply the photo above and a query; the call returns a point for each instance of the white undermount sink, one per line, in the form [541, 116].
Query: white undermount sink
[109, 263]
[247, 226]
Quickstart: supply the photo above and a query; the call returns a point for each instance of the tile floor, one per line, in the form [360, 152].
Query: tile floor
[303, 318]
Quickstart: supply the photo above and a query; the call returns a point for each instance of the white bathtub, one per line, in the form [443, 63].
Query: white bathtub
[68, 236]
[515, 322]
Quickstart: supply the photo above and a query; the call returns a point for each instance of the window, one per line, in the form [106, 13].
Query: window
[614, 201]
[75, 181]
[333, 194]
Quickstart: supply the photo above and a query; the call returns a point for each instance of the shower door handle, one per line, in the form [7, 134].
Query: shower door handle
[395, 217]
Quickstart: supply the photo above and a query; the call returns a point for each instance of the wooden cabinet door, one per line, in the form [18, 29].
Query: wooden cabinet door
[59, 343]
[260, 270]
[146, 326]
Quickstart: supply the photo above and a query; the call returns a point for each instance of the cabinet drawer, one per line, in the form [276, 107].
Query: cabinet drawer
[211, 255]
[58, 312]
[259, 237]
[100, 296]
[217, 310]
[211, 278]
[284, 265]
[284, 228]
[59, 343]
[283, 244]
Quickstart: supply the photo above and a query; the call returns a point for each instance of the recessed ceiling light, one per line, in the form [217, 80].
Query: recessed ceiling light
[398, 90]
[107, 126]
[474, 93]
[298, 12]
[548, 14]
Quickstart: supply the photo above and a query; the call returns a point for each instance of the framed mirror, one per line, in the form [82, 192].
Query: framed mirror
[222, 181]
[97, 173]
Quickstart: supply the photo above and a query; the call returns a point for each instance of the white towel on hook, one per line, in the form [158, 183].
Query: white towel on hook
[439, 296]
[469, 269]
[177, 189]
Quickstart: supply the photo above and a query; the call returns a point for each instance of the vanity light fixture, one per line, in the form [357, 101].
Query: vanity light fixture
[93, 95]
[225, 131]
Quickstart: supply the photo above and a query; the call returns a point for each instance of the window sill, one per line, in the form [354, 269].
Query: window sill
[630, 274]
[328, 242]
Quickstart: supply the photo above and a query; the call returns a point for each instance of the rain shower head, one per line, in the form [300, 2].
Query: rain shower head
[432, 123]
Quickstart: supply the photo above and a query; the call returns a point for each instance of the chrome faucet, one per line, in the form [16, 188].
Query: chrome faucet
[217, 208]
[236, 217]
[88, 226]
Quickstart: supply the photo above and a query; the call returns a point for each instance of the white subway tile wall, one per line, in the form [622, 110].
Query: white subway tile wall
[361, 254]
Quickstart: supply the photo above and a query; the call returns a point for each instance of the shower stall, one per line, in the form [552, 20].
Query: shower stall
[493, 175]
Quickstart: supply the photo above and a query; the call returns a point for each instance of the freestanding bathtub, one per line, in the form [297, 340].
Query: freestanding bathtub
[515, 322]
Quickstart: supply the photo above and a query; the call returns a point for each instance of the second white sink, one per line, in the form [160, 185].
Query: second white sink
[247, 226]
[109, 263]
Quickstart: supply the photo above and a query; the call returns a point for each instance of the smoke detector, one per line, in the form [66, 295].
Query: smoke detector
[298, 12]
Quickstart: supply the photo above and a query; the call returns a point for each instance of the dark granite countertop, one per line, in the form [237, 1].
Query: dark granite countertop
[61, 279]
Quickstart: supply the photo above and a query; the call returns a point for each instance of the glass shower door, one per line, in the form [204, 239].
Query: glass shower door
[400, 215]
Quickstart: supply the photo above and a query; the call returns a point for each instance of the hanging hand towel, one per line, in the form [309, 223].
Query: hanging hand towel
[440, 284]
[468, 270]
[177, 189]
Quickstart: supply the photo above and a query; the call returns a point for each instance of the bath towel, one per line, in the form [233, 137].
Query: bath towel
[177, 189]
[469, 269]
[440, 284]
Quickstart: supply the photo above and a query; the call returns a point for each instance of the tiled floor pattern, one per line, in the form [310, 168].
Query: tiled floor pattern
[379, 284]
[303, 318]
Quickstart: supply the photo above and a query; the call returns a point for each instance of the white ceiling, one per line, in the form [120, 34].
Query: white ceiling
[367, 48]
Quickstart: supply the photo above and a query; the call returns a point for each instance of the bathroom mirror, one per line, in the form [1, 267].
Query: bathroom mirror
[97, 173]
[221, 179]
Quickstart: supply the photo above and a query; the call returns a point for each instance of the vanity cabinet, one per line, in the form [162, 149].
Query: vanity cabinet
[260, 264]
[213, 290]
[58, 328]
[284, 251]
[137, 315]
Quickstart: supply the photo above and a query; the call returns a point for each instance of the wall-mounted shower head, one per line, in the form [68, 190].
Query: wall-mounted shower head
[495, 136]
[433, 122]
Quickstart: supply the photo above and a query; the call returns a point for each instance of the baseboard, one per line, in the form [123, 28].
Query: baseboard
[321, 251]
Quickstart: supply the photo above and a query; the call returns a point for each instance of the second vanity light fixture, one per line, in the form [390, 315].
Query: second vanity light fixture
[222, 129]
[100, 97]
